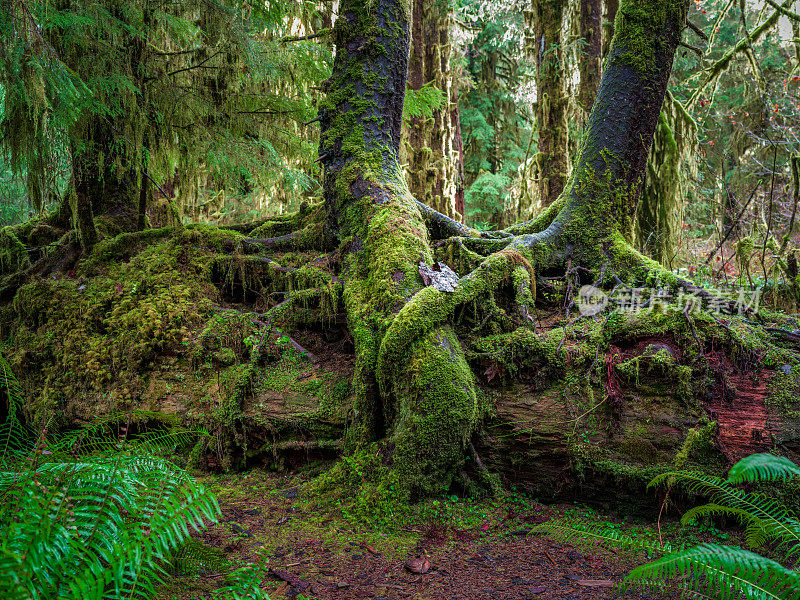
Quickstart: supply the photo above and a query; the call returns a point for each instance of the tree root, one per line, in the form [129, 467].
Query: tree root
[429, 309]
[306, 239]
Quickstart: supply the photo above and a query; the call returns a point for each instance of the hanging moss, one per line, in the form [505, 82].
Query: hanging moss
[668, 183]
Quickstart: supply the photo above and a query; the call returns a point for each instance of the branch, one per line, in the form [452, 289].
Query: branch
[715, 69]
[300, 38]
[697, 30]
[735, 222]
[695, 49]
[160, 189]
[442, 226]
[197, 66]
[785, 11]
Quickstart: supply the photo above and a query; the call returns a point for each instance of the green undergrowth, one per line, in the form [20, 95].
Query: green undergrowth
[145, 323]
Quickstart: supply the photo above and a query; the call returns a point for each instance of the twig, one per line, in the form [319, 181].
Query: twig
[735, 222]
[697, 30]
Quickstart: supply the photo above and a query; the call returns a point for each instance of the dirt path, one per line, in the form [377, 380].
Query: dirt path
[463, 551]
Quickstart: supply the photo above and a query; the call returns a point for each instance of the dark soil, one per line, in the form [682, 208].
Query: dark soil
[469, 551]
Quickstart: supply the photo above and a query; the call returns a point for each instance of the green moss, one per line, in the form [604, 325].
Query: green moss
[698, 447]
[364, 488]
[639, 23]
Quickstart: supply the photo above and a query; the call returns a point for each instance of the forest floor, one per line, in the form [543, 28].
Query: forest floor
[468, 550]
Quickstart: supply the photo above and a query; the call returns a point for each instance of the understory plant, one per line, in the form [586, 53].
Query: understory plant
[716, 571]
[87, 517]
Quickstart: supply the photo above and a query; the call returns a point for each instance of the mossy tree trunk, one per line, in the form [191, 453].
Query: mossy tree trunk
[667, 184]
[432, 145]
[552, 159]
[105, 186]
[414, 389]
[600, 203]
[591, 19]
[428, 412]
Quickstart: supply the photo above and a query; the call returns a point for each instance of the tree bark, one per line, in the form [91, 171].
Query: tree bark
[552, 160]
[428, 412]
[431, 144]
[591, 20]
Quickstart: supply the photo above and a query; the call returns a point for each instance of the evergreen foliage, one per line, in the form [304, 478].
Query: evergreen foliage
[183, 90]
[713, 570]
[87, 516]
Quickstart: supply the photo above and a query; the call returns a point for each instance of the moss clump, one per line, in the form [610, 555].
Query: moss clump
[659, 362]
[364, 488]
[437, 409]
[698, 447]
[87, 343]
[638, 24]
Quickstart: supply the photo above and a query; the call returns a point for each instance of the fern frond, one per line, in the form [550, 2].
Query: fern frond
[575, 531]
[99, 528]
[756, 531]
[773, 518]
[763, 467]
[243, 584]
[720, 572]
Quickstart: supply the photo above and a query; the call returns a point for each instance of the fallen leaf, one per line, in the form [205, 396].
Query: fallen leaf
[539, 590]
[418, 565]
[595, 583]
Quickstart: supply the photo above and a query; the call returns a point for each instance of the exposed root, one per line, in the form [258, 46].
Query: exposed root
[442, 227]
[429, 309]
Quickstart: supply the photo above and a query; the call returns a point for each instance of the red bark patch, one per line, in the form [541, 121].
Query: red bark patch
[738, 406]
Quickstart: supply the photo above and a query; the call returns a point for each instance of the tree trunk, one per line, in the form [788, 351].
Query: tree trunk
[552, 160]
[671, 169]
[600, 204]
[591, 33]
[610, 8]
[107, 190]
[431, 144]
[428, 412]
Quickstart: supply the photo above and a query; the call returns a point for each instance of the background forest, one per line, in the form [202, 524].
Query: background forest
[225, 146]
[226, 362]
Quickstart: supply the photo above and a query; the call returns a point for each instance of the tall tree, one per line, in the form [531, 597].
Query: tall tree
[413, 385]
[432, 144]
[552, 159]
[591, 32]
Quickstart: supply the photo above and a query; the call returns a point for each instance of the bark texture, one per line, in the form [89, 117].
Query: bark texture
[432, 146]
[552, 159]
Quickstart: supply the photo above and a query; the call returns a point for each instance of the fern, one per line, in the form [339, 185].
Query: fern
[720, 572]
[98, 528]
[765, 518]
[711, 571]
[763, 467]
[84, 527]
[243, 584]
[573, 531]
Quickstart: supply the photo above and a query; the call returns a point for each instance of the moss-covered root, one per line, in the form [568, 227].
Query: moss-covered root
[437, 412]
[309, 238]
[430, 308]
